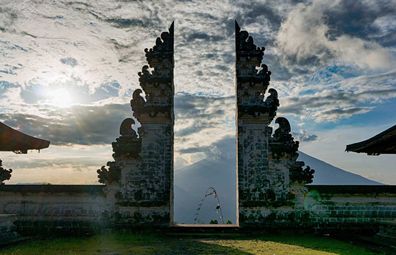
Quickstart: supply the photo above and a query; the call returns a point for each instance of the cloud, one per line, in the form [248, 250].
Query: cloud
[305, 38]
[200, 123]
[4, 86]
[305, 137]
[203, 36]
[329, 61]
[69, 61]
[335, 98]
[340, 113]
[86, 125]
[99, 124]
[222, 149]
[80, 93]
[7, 18]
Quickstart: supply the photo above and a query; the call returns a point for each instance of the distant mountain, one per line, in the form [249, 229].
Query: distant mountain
[192, 182]
[326, 174]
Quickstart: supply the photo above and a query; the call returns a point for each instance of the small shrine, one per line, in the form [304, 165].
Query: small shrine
[383, 143]
[18, 142]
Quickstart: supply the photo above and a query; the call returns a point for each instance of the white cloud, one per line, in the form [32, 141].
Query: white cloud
[304, 37]
[339, 98]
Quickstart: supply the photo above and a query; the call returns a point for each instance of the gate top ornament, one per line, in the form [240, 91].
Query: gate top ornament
[156, 80]
[253, 78]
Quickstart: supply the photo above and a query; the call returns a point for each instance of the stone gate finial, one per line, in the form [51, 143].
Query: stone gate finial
[156, 80]
[282, 142]
[128, 145]
[253, 78]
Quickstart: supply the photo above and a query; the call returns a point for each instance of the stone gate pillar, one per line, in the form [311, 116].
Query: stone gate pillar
[156, 115]
[266, 162]
[143, 168]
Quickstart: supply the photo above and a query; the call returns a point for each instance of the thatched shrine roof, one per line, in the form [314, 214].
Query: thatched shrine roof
[383, 143]
[18, 142]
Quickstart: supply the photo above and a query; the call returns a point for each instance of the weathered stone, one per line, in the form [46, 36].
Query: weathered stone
[5, 174]
[110, 175]
[145, 160]
[267, 166]
[8, 232]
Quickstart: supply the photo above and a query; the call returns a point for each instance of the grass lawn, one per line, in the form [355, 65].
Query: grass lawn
[161, 244]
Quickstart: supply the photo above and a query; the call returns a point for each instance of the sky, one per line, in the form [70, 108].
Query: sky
[68, 69]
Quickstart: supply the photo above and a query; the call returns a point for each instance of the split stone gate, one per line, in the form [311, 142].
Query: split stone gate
[138, 184]
[267, 166]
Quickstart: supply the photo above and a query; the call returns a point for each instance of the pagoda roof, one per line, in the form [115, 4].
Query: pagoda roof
[18, 142]
[383, 143]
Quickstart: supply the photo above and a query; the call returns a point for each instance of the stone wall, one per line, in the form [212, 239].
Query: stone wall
[328, 208]
[8, 232]
[350, 207]
[89, 207]
[42, 207]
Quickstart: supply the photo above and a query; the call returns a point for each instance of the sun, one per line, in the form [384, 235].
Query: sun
[60, 97]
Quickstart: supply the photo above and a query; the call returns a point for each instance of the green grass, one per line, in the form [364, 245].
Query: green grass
[163, 244]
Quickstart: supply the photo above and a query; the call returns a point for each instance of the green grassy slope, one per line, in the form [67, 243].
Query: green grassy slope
[157, 243]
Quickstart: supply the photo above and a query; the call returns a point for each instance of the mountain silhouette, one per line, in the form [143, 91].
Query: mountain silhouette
[192, 181]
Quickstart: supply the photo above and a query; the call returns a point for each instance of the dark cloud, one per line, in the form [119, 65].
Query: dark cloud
[11, 69]
[84, 125]
[332, 107]
[225, 148]
[250, 13]
[7, 45]
[278, 70]
[120, 22]
[189, 106]
[356, 18]
[191, 150]
[78, 4]
[297, 105]
[206, 16]
[54, 17]
[5, 85]
[348, 111]
[100, 124]
[69, 61]
[202, 120]
[223, 68]
[198, 125]
[124, 23]
[203, 36]
[7, 19]
[341, 31]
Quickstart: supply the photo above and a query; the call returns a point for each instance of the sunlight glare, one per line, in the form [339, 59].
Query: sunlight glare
[60, 97]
